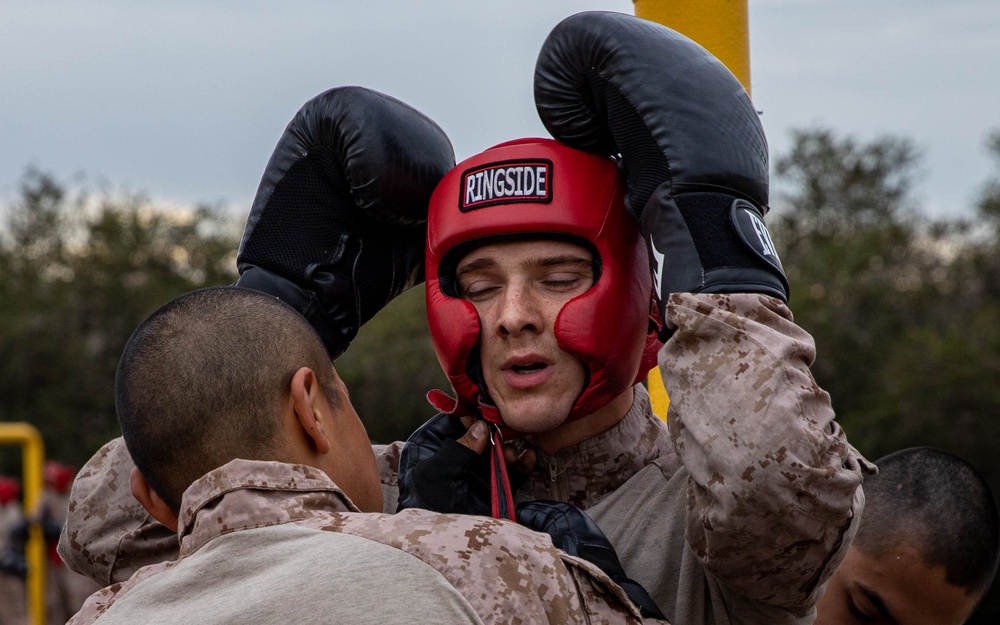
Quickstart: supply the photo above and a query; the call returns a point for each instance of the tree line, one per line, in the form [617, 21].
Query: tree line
[904, 308]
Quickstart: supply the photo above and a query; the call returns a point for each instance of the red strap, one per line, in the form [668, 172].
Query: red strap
[501, 495]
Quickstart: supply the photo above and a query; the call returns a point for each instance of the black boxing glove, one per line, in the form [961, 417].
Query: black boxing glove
[438, 473]
[576, 533]
[690, 140]
[338, 226]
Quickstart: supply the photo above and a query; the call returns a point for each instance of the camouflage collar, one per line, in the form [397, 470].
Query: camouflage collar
[584, 473]
[247, 493]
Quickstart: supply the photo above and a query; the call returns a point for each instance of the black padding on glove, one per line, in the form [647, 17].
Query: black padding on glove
[340, 213]
[690, 142]
[576, 533]
[644, 162]
[711, 243]
[614, 83]
[437, 473]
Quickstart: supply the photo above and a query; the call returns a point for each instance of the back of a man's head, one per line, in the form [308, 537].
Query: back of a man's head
[939, 505]
[203, 379]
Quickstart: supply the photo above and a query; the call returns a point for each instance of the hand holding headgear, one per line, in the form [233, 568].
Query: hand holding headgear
[337, 228]
[690, 141]
[436, 472]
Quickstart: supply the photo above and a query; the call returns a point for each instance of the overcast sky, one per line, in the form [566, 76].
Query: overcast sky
[185, 100]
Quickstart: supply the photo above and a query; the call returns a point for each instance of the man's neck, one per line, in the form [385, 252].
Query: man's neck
[573, 432]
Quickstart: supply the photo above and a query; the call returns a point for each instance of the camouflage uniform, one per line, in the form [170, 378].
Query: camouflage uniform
[108, 535]
[580, 474]
[584, 473]
[739, 517]
[759, 502]
[268, 542]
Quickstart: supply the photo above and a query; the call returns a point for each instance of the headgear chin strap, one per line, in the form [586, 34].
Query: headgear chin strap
[540, 187]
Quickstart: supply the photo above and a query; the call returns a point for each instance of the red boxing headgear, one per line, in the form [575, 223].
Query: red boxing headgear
[543, 187]
[58, 477]
[10, 488]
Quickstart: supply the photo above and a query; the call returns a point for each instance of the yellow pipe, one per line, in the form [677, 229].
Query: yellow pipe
[723, 28]
[32, 458]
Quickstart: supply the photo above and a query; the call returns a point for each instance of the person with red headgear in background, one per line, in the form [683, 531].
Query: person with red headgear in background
[12, 563]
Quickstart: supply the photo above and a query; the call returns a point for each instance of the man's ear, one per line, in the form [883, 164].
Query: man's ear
[309, 405]
[156, 507]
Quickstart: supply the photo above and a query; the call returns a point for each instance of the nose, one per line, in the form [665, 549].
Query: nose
[519, 311]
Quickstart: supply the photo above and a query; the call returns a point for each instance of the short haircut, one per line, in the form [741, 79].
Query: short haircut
[941, 506]
[202, 381]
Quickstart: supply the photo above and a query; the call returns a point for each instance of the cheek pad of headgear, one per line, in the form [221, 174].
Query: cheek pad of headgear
[455, 328]
[607, 328]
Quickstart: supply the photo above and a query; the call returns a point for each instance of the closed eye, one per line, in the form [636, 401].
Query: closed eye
[566, 281]
[858, 613]
[477, 290]
[870, 607]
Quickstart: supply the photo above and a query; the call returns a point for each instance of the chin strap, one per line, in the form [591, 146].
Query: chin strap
[501, 494]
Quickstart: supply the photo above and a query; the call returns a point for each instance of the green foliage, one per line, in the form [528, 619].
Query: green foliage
[389, 368]
[839, 182]
[847, 239]
[77, 275]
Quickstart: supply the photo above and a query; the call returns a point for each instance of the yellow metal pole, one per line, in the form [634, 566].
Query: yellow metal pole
[723, 28]
[32, 458]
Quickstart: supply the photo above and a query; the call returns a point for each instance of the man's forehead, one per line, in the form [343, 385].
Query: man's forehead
[905, 588]
[534, 251]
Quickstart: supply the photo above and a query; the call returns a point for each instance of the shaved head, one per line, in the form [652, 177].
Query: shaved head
[203, 380]
[939, 505]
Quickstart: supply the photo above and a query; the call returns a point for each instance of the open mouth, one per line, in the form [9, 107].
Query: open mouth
[529, 368]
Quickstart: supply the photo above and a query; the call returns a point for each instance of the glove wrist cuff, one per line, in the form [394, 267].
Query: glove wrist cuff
[331, 326]
[710, 243]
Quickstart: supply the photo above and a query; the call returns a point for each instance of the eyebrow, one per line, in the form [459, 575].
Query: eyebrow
[877, 601]
[476, 265]
[542, 261]
[565, 259]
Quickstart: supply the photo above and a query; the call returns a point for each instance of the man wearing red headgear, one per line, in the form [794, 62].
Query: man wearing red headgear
[539, 302]
[753, 506]
[13, 567]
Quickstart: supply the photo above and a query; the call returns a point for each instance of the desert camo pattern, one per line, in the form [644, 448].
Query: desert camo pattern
[773, 489]
[584, 473]
[769, 497]
[774, 485]
[506, 572]
[761, 499]
[108, 535]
